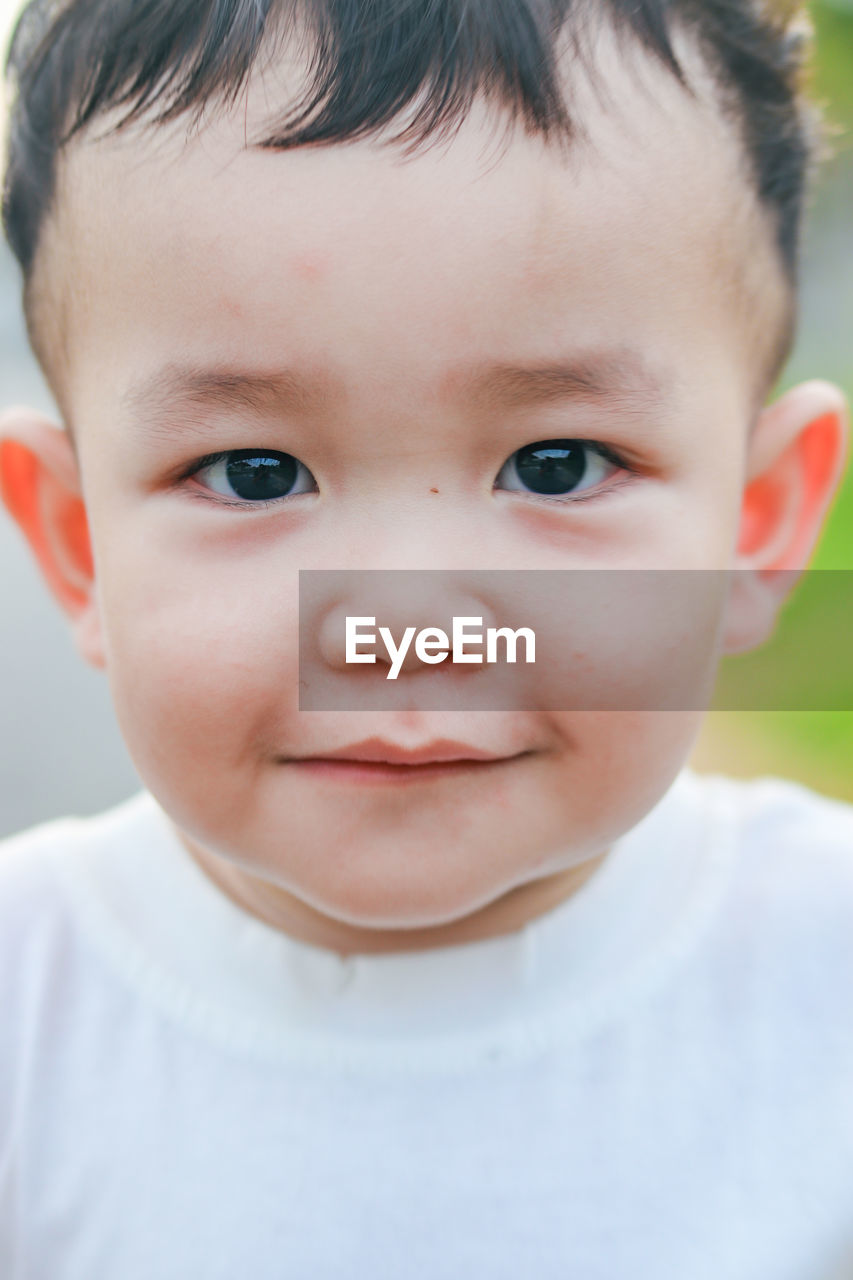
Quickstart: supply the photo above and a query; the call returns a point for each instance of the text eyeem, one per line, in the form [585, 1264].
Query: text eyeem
[433, 645]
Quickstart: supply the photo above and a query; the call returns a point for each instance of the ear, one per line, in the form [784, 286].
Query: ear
[40, 486]
[795, 460]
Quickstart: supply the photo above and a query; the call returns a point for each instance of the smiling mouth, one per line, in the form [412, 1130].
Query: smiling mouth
[381, 762]
[374, 771]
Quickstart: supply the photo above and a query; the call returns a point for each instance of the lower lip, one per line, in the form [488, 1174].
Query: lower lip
[364, 773]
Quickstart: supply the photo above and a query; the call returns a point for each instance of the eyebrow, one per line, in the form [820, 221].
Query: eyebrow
[153, 401]
[617, 377]
[620, 375]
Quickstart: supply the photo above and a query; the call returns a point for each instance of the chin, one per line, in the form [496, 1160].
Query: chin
[406, 903]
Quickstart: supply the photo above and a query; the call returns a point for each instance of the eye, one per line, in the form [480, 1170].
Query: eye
[253, 475]
[557, 467]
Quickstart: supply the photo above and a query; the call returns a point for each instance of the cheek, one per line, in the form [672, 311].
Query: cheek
[619, 640]
[201, 672]
[622, 764]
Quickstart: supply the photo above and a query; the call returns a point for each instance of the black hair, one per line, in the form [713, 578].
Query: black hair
[72, 61]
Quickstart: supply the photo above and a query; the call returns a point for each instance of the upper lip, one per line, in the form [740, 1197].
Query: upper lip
[439, 751]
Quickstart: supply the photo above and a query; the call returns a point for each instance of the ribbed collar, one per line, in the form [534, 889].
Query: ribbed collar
[184, 943]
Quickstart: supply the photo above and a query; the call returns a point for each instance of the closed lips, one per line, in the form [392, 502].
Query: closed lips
[444, 751]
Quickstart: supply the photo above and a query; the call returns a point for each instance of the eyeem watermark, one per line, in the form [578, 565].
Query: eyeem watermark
[627, 640]
[433, 645]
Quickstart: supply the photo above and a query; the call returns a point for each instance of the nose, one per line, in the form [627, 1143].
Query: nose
[405, 604]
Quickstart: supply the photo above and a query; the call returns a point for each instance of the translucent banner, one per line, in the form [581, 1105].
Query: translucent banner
[587, 640]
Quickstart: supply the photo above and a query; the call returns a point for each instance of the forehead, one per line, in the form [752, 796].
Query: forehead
[370, 270]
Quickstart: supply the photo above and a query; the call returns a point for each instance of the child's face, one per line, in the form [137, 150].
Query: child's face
[208, 275]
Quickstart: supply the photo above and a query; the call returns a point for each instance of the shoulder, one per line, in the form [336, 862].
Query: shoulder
[789, 904]
[42, 927]
[30, 856]
[783, 828]
[787, 808]
[35, 944]
[40, 921]
[39, 867]
[28, 880]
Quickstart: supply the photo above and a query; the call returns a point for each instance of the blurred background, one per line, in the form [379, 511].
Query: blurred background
[60, 751]
[815, 748]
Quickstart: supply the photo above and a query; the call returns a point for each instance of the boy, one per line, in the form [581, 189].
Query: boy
[414, 993]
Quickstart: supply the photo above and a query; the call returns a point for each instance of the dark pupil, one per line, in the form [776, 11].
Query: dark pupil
[551, 466]
[252, 476]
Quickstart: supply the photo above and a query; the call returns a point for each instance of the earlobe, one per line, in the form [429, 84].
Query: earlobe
[795, 460]
[40, 486]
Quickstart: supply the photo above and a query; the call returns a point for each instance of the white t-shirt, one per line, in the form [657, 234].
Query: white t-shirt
[654, 1080]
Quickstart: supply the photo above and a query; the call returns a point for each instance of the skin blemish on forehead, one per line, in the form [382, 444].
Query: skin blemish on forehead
[309, 266]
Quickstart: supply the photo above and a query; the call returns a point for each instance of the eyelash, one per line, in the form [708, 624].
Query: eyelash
[596, 446]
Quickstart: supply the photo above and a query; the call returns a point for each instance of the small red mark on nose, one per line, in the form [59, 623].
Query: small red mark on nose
[433, 490]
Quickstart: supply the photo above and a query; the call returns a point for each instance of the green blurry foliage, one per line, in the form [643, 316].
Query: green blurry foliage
[833, 69]
[813, 747]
